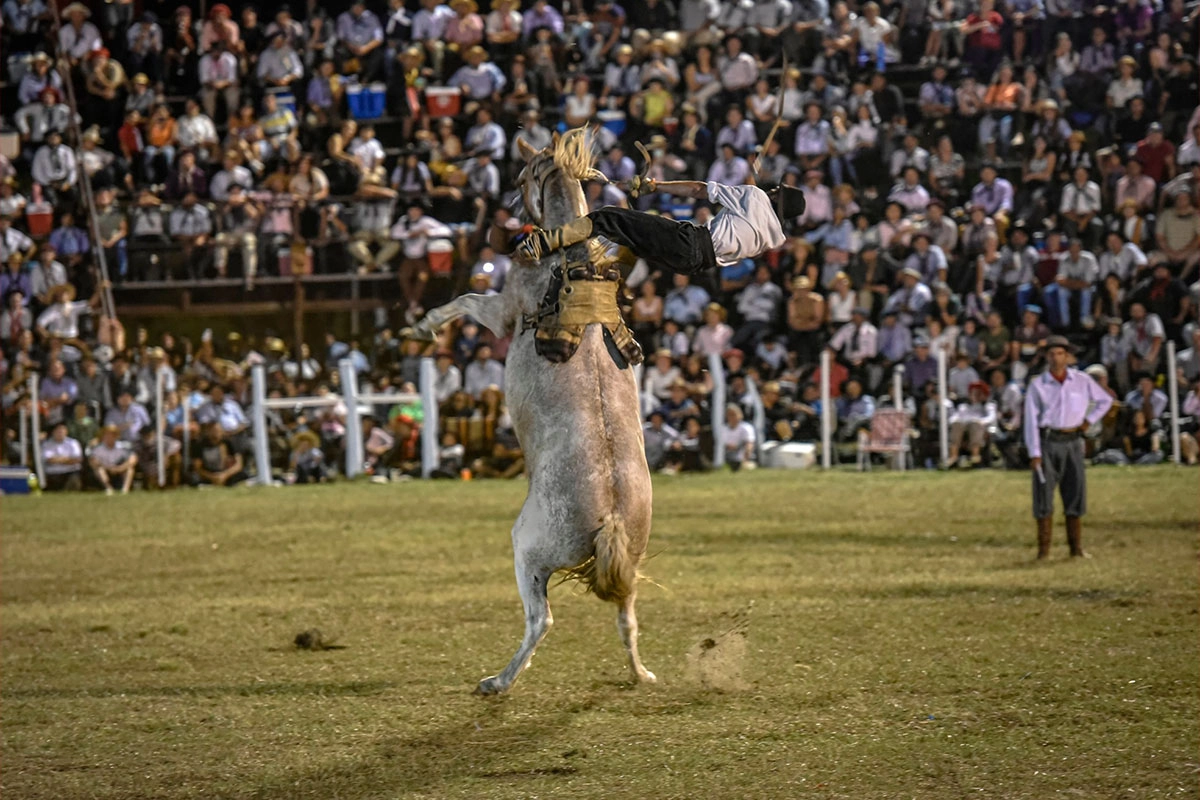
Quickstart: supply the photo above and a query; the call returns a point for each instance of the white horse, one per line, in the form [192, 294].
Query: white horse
[588, 507]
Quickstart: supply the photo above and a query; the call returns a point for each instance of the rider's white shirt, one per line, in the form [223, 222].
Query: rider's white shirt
[746, 225]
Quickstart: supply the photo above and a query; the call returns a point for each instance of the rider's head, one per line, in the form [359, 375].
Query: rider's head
[788, 201]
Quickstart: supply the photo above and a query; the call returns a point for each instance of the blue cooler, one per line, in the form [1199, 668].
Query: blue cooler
[614, 121]
[14, 480]
[366, 102]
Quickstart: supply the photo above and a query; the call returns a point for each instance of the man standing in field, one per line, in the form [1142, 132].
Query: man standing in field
[1060, 405]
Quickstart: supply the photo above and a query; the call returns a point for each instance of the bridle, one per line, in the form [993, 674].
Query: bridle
[536, 173]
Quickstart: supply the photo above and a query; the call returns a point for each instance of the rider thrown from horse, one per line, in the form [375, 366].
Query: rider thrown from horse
[748, 224]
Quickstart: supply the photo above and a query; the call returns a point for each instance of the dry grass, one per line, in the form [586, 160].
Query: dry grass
[898, 643]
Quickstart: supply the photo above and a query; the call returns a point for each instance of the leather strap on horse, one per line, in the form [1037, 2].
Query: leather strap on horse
[576, 298]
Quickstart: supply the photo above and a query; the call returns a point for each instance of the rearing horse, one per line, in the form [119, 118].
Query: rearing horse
[588, 507]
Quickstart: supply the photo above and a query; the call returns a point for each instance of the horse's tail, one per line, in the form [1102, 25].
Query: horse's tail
[611, 573]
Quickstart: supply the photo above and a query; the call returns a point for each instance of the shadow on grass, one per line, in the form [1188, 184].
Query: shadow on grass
[941, 591]
[349, 689]
[506, 740]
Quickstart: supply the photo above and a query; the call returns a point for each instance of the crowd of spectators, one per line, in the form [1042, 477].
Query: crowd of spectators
[978, 176]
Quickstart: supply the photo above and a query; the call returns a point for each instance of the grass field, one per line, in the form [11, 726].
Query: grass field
[899, 643]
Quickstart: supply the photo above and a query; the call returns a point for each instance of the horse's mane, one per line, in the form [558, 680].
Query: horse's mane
[573, 155]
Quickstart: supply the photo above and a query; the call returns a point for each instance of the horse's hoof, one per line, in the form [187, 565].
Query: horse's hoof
[418, 333]
[490, 686]
[647, 677]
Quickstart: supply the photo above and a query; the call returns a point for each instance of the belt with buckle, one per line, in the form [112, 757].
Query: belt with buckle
[1062, 433]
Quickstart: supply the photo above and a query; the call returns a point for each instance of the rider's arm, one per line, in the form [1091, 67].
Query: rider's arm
[696, 189]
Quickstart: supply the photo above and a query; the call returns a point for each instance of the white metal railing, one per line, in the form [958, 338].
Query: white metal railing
[826, 412]
[716, 368]
[943, 412]
[35, 425]
[356, 405]
[1173, 395]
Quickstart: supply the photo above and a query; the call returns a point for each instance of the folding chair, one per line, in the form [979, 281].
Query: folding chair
[888, 434]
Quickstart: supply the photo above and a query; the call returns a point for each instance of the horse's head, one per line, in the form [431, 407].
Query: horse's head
[550, 182]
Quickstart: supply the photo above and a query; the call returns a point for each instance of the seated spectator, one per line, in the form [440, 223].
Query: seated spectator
[970, 423]
[191, 226]
[54, 169]
[1178, 234]
[360, 42]
[214, 462]
[714, 336]
[1142, 443]
[739, 439]
[854, 410]
[38, 77]
[62, 459]
[1144, 337]
[113, 457]
[482, 372]
[661, 441]
[239, 218]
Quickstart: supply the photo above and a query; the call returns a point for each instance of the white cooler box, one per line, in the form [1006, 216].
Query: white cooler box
[789, 455]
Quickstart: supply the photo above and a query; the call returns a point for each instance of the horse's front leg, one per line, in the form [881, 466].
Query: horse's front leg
[493, 311]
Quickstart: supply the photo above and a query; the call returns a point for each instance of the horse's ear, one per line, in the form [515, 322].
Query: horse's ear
[525, 149]
[554, 139]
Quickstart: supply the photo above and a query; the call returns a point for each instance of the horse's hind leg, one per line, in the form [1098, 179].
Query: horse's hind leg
[532, 575]
[628, 626]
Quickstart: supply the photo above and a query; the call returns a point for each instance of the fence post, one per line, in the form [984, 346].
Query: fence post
[262, 452]
[24, 441]
[898, 387]
[826, 413]
[1173, 396]
[185, 403]
[760, 419]
[943, 418]
[716, 368]
[35, 427]
[354, 442]
[160, 422]
[430, 446]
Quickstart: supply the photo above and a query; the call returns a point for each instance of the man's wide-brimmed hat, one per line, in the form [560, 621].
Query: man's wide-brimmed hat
[1059, 341]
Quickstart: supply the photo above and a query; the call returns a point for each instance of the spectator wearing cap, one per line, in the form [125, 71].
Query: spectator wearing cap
[920, 368]
[141, 97]
[1178, 234]
[912, 299]
[480, 82]
[970, 423]
[1124, 85]
[38, 78]
[1157, 154]
[1060, 404]
[63, 460]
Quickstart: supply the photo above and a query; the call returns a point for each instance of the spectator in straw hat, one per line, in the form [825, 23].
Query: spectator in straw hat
[970, 423]
[113, 458]
[1060, 404]
[39, 77]
[77, 37]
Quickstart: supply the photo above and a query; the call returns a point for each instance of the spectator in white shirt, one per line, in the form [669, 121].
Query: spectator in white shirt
[54, 168]
[196, 131]
[190, 224]
[970, 421]
[486, 136]
[482, 372]
[78, 38]
[35, 120]
[448, 380]
[218, 72]
[413, 231]
[1080, 205]
[855, 343]
[112, 458]
[1121, 258]
[62, 458]
[739, 438]
[1077, 275]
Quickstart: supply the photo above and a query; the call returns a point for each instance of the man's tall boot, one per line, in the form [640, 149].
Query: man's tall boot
[1045, 530]
[1075, 536]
